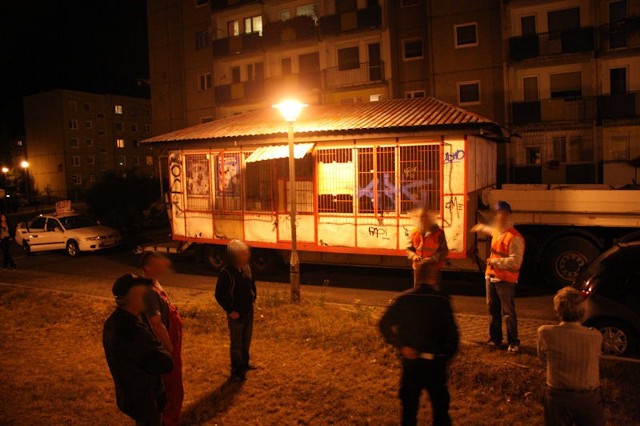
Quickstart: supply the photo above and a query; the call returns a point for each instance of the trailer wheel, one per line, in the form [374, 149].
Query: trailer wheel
[565, 257]
[264, 262]
[215, 257]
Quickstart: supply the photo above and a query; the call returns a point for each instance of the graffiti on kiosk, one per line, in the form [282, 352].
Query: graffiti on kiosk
[176, 190]
[452, 209]
[453, 157]
[386, 191]
[377, 232]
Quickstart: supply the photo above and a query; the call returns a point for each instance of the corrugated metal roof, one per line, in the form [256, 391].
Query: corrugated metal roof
[352, 118]
[271, 152]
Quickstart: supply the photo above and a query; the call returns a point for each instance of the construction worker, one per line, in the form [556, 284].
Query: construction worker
[427, 250]
[501, 275]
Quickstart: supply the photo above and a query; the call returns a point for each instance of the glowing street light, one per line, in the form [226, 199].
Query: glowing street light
[290, 110]
[5, 170]
[24, 164]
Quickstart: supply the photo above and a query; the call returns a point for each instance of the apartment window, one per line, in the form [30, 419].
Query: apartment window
[618, 80]
[207, 119]
[204, 82]
[563, 20]
[233, 28]
[348, 58]
[73, 124]
[101, 133]
[76, 179]
[75, 161]
[92, 177]
[91, 159]
[87, 106]
[285, 63]
[89, 142]
[74, 143]
[566, 85]
[412, 49]
[413, 94]
[88, 124]
[122, 160]
[147, 128]
[135, 144]
[533, 155]
[134, 127]
[253, 25]
[72, 106]
[100, 115]
[134, 111]
[408, 3]
[118, 109]
[530, 88]
[284, 14]
[306, 10]
[469, 93]
[466, 35]
[618, 148]
[201, 2]
[119, 126]
[119, 143]
[345, 6]
[528, 25]
[149, 160]
[135, 160]
[235, 74]
[203, 39]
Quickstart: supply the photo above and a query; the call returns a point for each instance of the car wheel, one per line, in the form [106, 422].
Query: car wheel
[565, 257]
[26, 247]
[215, 257]
[72, 248]
[617, 338]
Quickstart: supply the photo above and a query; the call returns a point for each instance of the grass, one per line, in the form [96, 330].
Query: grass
[319, 365]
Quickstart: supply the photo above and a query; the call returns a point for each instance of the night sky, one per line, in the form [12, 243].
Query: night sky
[91, 45]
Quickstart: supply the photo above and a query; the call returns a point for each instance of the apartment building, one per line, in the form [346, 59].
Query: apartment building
[573, 82]
[74, 137]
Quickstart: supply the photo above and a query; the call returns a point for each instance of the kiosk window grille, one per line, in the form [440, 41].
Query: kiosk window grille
[419, 177]
[198, 182]
[304, 184]
[336, 180]
[228, 182]
[259, 186]
[376, 180]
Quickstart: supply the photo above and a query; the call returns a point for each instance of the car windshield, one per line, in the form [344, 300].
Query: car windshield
[74, 222]
[597, 266]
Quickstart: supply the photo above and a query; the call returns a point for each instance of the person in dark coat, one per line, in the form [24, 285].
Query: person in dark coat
[420, 324]
[236, 294]
[135, 357]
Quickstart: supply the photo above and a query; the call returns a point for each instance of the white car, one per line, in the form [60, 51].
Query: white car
[71, 232]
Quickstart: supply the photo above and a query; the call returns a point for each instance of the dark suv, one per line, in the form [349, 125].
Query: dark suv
[611, 286]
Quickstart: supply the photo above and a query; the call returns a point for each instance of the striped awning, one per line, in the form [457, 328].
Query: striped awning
[279, 151]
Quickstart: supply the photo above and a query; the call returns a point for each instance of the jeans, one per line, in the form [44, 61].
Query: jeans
[240, 332]
[501, 301]
[563, 407]
[7, 261]
[155, 420]
[422, 374]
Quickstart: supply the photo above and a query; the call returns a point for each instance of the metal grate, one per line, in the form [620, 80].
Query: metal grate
[377, 180]
[228, 182]
[198, 177]
[259, 186]
[419, 177]
[336, 175]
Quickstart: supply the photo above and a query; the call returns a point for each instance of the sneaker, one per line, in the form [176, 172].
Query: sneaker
[491, 343]
[513, 349]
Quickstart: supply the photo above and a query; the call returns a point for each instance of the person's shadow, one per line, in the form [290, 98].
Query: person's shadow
[212, 404]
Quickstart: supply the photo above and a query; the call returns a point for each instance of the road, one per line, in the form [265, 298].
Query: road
[370, 286]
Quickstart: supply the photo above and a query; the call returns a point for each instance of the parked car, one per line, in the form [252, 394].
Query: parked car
[71, 232]
[611, 287]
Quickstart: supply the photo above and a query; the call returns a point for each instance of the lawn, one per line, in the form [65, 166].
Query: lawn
[319, 364]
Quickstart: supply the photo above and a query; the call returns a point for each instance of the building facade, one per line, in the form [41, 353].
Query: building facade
[74, 137]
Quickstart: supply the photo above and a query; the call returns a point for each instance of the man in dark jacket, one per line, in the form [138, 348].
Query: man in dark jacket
[236, 294]
[136, 359]
[420, 324]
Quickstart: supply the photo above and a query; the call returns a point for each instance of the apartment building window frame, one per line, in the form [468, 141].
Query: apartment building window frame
[415, 94]
[253, 24]
[134, 127]
[456, 38]
[88, 124]
[74, 143]
[147, 128]
[535, 25]
[410, 3]
[73, 124]
[89, 142]
[91, 160]
[533, 155]
[72, 106]
[526, 98]
[149, 160]
[117, 109]
[87, 106]
[570, 91]
[75, 160]
[346, 63]
[203, 39]
[119, 125]
[233, 28]
[621, 90]
[76, 178]
[284, 15]
[407, 41]
[120, 143]
[459, 86]
[623, 153]
[205, 82]
[300, 10]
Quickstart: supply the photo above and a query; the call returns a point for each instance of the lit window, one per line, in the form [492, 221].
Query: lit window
[412, 49]
[253, 25]
[204, 82]
[466, 35]
[73, 124]
[118, 109]
[76, 178]
[149, 160]
[233, 28]
[307, 10]
[203, 39]
[122, 160]
[348, 58]
[74, 143]
[412, 94]
[284, 14]
[469, 93]
[91, 159]
[119, 143]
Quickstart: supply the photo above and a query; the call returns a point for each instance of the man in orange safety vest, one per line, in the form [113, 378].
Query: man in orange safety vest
[427, 250]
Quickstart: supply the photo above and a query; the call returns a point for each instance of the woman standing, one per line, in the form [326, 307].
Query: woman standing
[5, 243]
[236, 294]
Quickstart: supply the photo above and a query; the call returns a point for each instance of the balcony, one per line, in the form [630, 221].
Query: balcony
[295, 29]
[237, 44]
[621, 35]
[365, 73]
[548, 110]
[241, 91]
[294, 83]
[218, 5]
[361, 19]
[624, 105]
[581, 40]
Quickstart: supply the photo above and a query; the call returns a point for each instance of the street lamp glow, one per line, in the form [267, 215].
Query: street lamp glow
[24, 164]
[5, 170]
[290, 109]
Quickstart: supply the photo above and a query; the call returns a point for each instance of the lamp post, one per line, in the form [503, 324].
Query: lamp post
[290, 111]
[25, 165]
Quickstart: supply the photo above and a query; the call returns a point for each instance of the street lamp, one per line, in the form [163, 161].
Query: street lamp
[25, 165]
[290, 110]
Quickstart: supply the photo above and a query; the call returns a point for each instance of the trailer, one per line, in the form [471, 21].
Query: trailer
[361, 170]
[567, 226]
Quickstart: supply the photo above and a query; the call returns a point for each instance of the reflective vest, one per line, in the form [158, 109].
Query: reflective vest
[500, 249]
[427, 246]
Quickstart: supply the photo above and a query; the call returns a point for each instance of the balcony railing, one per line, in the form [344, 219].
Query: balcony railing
[623, 105]
[237, 44]
[361, 19]
[294, 83]
[547, 110]
[580, 40]
[621, 35]
[218, 5]
[294, 29]
[364, 73]
[245, 90]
